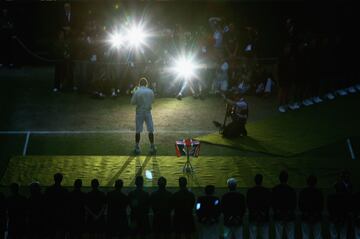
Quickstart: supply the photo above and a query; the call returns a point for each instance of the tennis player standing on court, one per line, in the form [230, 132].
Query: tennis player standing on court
[143, 97]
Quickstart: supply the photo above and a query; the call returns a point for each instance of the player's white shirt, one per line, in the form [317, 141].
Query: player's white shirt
[143, 97]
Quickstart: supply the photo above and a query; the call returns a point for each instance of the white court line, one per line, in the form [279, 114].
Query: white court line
[350, 148]
[120, 131]
[26, 143]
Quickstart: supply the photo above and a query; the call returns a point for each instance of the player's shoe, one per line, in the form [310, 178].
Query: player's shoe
[153, 150]
[297, 105]
[137, 150]
[330, 96]
[351, 89]
[307, 102]
[341, 92]
[317, 99]
[179, 97]
[294, 106]
[282, 109]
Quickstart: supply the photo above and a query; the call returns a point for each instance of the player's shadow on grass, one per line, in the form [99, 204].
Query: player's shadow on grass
[122, 169]
[139, 167]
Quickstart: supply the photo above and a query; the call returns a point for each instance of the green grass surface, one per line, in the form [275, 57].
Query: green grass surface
[208, 169]
[296, 132]
[10, 145]
[313, 138]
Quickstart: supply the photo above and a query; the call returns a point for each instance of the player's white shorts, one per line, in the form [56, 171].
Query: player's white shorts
[141, 117]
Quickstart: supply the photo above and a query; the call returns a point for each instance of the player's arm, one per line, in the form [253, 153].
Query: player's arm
[133, 99]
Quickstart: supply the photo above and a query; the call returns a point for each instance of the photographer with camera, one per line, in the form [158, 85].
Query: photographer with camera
[237, 109]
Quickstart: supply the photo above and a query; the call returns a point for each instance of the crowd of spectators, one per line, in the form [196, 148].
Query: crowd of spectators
[59, 213]
[226, 53]
[313, 65]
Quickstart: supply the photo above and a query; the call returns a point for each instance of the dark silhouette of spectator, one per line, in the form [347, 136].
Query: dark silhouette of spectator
[16, 208]
[80, 52]
[311, 205]
[183, 204]
[291, 32]
[68, 20]
[76, 211]
[63, 69]
[356, 214]
[284, 205]
[231, 40]
[286, 74]
[2, 215]
[3, 218]
[117, 219]
[339, 207]
[36, 212]
[258, 200]
[208, 211]
[328, 68]
[233, 208]
[314, 60]
[139, 205]
[56, 202]
[6, 42]
[95, 206]
[161, 207]
[302, 86]
[344, 183]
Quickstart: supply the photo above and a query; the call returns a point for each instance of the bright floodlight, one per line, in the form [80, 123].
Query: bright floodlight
[185, 68]
[116, 40]
[136, 36]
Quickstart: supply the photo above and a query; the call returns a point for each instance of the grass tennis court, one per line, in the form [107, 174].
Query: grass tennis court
[311, 140]
[208, 169]
[297, 132]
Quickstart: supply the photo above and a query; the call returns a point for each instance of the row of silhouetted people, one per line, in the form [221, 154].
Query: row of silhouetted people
[58, 213]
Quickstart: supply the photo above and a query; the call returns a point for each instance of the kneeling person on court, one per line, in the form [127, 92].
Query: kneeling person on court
[237, 109]
[143, 98]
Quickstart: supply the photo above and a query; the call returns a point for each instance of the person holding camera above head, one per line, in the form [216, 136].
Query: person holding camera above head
[237, 109]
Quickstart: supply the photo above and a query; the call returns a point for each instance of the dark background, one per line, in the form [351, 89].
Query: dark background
[37, 22]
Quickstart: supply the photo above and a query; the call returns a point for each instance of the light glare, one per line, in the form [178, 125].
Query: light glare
[185, 68]
[136, 36]
[116, 40]
[131, 37]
